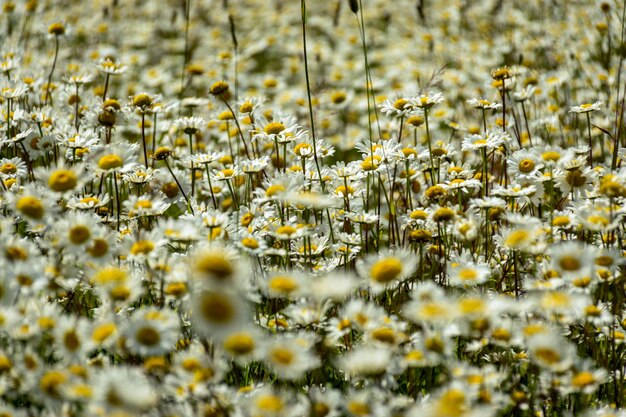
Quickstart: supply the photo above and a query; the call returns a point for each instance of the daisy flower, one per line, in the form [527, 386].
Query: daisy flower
[586, 107]
[151, 333]
[290, 357]
[464, 273]
[383, 272]
[122, 389]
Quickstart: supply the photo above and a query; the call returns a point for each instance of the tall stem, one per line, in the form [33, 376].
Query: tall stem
[193, 174]
[76, 103]
[54, 64]
[143, 138]
[245, 147]
[430, 151]
[106, 86]
[117, 199]
[503, 93]
[590, 143]
[308, 91]
[186, 51]
[179, 186]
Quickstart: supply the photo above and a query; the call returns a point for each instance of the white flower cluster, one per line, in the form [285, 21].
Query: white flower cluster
[276, 209]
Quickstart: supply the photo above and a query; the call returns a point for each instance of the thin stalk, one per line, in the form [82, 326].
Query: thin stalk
[590, 143]
[530, 139]
[193, 174]
[76, 103]
[430, 151]
[308, 91]
[106, 86]
[233, 34]
[368, 73]
[186, 51]
[245, 147]
[232, 193]
[503, 94]
[179, 186]
[143, 138]
[154, 135]
[54, 64]
[208, 177]
[117, 199]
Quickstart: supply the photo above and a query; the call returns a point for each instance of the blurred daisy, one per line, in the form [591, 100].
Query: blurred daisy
[383, 272]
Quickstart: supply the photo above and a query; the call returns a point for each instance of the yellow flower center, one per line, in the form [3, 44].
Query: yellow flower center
[517, 238]
[273, 190]
[583, 379]
[215, 265]
[282, 356]
[569, 263]
[71, 341]
[359, 409]
[575, 178]
[526, 166]
[239, 343]
[407, 152]
[286, 230]
[51, 382]
[15, 253]
[8, 168]
[300, 147]
[250, 243]
[142, 247]
[342, 189]
[370, 163]
[270, 403]
[102, 332]
[443, 214]
[605, 260]
[418, 215]
[551, 156]
[274, 128]
[561, 221]
[451, 404]
[400, 103]
[148, 336]
[142, 100]
[62, 180]
[99, 248]
[56, 29]
[338, 97]
[79, 234]
[176, 289]
[110, 161]
[384, 334]
[386, 270]
[143, 204]
[501, 334]
[110, 275]
[246, 219]
[547, 355]
[283, 284]
[90, 200]
[468, 274]
[215, 308]
[30, 207]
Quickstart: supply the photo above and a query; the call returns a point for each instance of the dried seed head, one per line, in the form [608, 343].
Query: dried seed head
[162, 153]
[56, 29]
[354, 5]
[219, 89]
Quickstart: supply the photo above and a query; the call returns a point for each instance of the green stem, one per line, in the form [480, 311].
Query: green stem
[308, 91]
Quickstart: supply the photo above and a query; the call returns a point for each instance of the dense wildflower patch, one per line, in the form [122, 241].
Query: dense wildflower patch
[323, 208]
